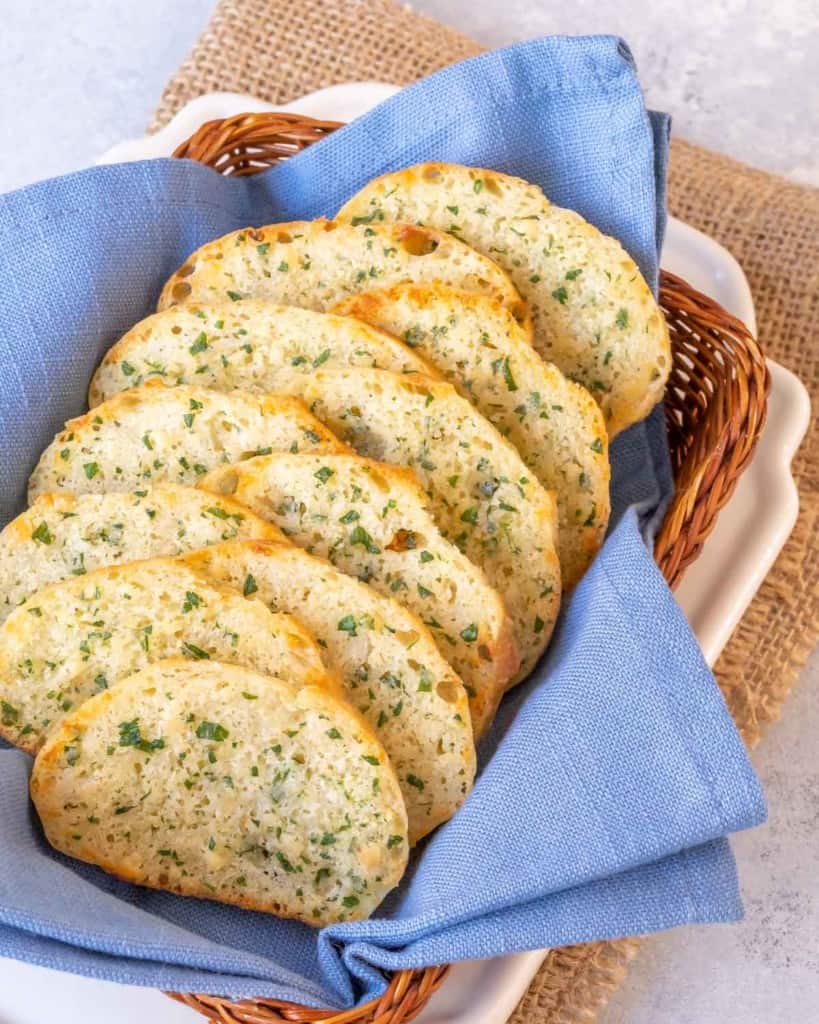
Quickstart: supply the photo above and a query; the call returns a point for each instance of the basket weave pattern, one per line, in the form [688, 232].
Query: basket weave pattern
[715, 402]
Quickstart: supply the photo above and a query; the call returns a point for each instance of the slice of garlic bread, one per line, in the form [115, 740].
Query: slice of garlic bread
[553, 422]
[388, 663]
[248, 345]
[315, 264]
[156, 434]
[75, 638]
[593, 312]
[373, 521]
[65, 534]
[481, 493]
[211, 780]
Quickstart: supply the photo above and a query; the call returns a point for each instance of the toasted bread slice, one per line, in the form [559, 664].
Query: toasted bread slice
[553, 422]
[65, 534]
[373, 522]
[315, 264]
[156, 434]
[215, 781]
[482, 495]
[75, 638]
[594, 315]
[248, 345]
[387, 660]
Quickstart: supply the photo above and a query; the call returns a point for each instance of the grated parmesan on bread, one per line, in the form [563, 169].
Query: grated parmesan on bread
[215, 781]
[553, 422]
[373, 522]
[248, 345]
[64, 534]
[594, 315]
[156, 434]
[482, 495]
[315, 264]
[75, 638]
[387, 661]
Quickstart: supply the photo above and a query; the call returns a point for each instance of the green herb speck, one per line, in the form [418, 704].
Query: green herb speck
[211, 731]
[42, 534]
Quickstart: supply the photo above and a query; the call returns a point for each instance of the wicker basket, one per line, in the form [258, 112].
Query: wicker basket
[715, 408]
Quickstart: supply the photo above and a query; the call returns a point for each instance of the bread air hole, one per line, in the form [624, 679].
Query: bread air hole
[180, 291]
[447, 690]
[492, 187]
[284, 237]
[186, 269]
[432, 174]
[228, 482]
[405, 540]
[520, 311]
[378, 480]
[416, 241]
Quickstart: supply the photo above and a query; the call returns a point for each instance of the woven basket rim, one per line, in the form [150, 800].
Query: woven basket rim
[716, 405]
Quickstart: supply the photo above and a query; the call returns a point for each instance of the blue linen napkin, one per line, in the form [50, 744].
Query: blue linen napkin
[609, 780]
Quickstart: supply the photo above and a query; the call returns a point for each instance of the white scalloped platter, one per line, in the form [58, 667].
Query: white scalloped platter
[717, 589]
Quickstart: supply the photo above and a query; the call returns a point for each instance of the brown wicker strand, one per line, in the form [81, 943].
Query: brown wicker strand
[248, 143]
[406, 995]
[716, 402]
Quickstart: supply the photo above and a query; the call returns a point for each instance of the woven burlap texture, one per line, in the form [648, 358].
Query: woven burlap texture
[277, 50]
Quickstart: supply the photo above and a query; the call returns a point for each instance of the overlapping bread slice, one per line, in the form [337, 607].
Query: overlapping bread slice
[64, 534]
[553, 422]
[157, 434]
[594, 315]
[483, 496]
[216, 781]
[372, 521]
[387, 661]
[77, 637]
[248, 345]
[315, 264]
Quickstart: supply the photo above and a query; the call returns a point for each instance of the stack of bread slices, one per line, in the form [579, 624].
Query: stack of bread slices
[319, 517]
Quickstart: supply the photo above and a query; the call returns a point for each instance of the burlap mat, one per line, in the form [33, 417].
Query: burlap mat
[278, 50]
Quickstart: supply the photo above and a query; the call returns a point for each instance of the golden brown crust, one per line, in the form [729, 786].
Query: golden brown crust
[587, 296]
[207, 267]
[253, 482]
[114, 432]
[244, 345]
[554, 422]
[101, 841]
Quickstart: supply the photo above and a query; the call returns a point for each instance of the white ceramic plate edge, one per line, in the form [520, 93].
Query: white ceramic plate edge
[750, 533]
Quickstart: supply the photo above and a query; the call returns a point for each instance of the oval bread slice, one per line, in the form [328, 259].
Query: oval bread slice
[482, 495]
[390, 668]
[241, 789]
[372, 521]
[594, 315]
[553, 422]
[65, 534]
[247, 345]
[315, 264]
[156, 434]
[75, 638]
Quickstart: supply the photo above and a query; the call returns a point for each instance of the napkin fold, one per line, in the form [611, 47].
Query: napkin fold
[609, 780]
